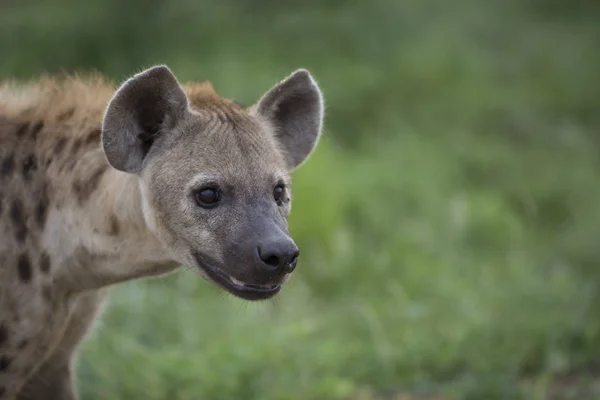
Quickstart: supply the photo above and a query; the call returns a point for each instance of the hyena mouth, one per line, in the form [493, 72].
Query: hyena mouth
[240, 289]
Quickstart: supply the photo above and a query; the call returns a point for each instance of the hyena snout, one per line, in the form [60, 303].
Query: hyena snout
[277, 255]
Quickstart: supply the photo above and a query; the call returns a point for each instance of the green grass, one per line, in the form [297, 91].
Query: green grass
[448, 220]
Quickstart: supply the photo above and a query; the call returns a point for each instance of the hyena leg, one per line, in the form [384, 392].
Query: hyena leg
[54, 379]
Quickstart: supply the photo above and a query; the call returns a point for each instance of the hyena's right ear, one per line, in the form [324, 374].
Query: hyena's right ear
[144, 107]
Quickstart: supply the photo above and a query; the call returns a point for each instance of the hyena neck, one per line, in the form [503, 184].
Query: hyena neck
[115, 243]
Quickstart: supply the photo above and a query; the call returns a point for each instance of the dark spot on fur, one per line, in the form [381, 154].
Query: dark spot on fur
[3, 335]
[65, 115]
[83, 189]
[45, 262]
[8, 165]
[41, 210]
[115, 228]
[59, 146]
[22, 344]
[5, 363]
[36, 130]
[17, 217]
[76, 145]
[92, 138]
[29, 165]
[24, 268]
[2, 391]
[21, 129]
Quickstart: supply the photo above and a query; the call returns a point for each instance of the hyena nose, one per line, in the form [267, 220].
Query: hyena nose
[278, 256]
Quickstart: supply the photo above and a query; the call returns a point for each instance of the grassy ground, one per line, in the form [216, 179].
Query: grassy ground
[448, 221]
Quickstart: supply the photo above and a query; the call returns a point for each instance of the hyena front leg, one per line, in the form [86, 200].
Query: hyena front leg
[54, 379]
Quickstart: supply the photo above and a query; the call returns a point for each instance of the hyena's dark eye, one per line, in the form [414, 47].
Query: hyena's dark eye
[207, 197]
[278, 194]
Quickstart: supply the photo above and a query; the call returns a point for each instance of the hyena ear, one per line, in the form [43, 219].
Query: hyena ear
[144, 107]
[294, 108]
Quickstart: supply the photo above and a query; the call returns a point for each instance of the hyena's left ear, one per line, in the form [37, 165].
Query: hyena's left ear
[294, 108]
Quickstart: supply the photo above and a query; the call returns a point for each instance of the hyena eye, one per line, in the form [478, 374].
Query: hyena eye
[278, 194]
[207, 197]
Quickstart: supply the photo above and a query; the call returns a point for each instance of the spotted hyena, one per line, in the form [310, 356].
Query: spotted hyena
[100, 186]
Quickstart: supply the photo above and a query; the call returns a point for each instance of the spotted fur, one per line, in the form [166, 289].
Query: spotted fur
[96, 188]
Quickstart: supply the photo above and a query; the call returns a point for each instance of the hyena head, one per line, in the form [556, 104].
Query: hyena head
[214, 176]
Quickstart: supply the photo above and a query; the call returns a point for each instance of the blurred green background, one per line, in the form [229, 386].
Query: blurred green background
[449, 220]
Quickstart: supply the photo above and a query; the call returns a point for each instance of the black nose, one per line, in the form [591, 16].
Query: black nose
[278, 256]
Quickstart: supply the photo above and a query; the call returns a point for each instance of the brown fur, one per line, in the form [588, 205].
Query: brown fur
[72, 224]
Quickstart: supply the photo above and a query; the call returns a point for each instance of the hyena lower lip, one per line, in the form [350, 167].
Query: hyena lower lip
[240, 283]
[244, 290]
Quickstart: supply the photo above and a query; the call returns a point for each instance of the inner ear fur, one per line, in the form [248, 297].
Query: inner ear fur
[146, 106]
[294, 108]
